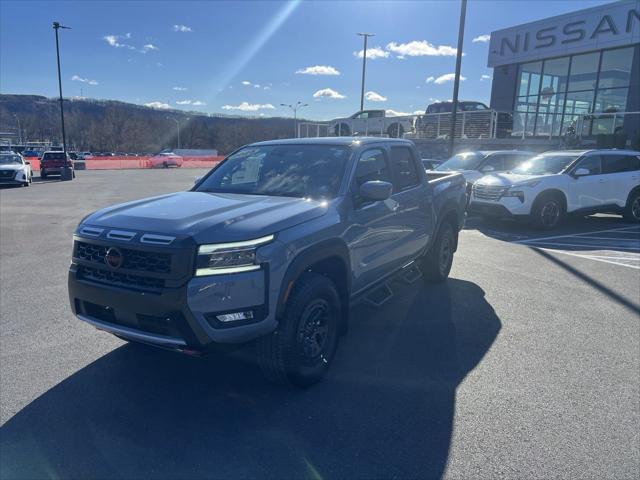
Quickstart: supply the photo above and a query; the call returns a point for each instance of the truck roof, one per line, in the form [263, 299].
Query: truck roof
[345, 141]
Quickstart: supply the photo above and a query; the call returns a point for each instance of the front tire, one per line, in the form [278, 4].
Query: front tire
[299, 352]
[632, 210]
[43, 175]
[548, 212]
[437, 264]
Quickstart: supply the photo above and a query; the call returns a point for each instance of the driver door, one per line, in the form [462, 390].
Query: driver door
[373, 225]
[588, 191]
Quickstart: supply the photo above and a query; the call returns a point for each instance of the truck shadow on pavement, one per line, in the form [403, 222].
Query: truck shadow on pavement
[385, 409]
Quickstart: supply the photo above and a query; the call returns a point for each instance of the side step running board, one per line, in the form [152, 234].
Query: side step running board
[411, 274]
[379, 296]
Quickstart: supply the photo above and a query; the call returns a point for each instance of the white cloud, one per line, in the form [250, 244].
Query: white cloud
[78, 78]
[319, 70]
[197, 103]
[148, 47]
[420, 49]
[181, 28]
[246, 82]
[447, 77]
[266, 87]
[179, 89]
[160, 105]
[372, 53]
[249, 107]
[374, 97]
[329, 93]
[482, 39]
[183, 102]
[485, 77]
[114, 41]
[256, 85]
[395, 113]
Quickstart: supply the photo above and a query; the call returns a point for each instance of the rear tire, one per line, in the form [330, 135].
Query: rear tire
[342, 130]
[548, 211]
[632, 210]
[299, 352]
[395, 131]
[437, 264]
[43, 175]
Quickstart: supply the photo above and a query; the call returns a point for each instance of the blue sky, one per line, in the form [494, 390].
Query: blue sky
[247, 57]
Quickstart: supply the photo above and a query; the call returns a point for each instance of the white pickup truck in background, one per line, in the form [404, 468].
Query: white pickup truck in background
[371, 123]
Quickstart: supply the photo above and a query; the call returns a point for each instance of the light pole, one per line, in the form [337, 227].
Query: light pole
[177, 125]
[297, 106]
[364, 66]
[19, 129]
[456, 81]
[66, 171]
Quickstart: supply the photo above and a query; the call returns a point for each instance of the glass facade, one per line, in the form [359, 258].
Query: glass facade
[551, 94]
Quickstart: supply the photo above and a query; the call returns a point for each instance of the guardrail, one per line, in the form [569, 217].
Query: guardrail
[491, 124]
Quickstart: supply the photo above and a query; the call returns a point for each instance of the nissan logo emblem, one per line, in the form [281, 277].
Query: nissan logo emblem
[114, 257]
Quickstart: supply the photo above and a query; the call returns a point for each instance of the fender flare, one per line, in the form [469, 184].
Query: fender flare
[324, 250]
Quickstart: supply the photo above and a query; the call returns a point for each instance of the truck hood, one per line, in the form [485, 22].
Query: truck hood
[508, 179]
[209, 217]
[469, 175]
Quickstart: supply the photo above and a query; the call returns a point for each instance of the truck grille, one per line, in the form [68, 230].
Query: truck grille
[488, 192]
[132, 259]
[109, 277]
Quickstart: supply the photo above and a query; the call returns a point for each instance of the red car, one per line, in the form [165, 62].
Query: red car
[165, 160]
[52, 162]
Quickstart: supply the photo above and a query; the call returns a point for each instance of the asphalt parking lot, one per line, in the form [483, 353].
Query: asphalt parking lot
[523, 365]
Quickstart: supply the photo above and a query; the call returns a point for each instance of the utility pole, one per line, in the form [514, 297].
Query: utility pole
[456, 82]
[177, 125]
[66, 171]
[297, 106]
[19, 129]
[364, 65]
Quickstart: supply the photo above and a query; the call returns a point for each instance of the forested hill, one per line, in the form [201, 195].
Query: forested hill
[107, 125]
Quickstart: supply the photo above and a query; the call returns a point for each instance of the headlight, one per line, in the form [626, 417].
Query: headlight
[514, 193]
[235, 257]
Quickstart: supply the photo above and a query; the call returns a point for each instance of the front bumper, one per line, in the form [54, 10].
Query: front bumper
[181, 318]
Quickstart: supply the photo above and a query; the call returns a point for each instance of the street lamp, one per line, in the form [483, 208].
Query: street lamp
[19, 129]
[297, 106]
[364, 65]
[66, 173]
[177, 125]
[456, 80]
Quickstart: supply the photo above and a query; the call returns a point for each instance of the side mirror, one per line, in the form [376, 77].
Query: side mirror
[28, 163]
[196, 180]
[581, 172]
[375, 190]
[488, 168]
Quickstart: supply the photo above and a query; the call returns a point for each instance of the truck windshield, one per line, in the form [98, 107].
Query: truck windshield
[545, 164]
[462, 161]
[314, 171]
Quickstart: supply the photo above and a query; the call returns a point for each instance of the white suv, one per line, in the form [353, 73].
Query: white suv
[547, 187]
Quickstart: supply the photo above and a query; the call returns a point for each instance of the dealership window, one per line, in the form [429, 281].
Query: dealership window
[552, 94]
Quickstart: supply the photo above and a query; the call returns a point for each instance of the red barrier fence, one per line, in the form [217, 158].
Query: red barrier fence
[116, 163]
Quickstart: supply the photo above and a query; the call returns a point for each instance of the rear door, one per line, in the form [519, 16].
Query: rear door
[621, 173]
[588, 191]
[411, 193]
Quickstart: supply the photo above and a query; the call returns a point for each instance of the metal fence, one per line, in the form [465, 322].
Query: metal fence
[492, 124]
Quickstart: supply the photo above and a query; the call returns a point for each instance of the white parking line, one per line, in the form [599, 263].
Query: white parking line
[621, 251]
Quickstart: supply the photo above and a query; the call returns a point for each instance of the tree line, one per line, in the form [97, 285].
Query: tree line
[113, 126]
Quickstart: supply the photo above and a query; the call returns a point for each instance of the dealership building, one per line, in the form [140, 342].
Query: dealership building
[573, 73]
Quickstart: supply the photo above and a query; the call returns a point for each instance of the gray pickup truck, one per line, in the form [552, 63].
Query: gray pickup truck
[272, 246]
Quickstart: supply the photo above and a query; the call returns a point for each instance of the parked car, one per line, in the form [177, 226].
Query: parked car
[371, 122]
[475, 164]
[52, 162]
[14, 170]
[476, 116]
[165, 160]
[431, 163]
[272, 245]
[551, 185]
